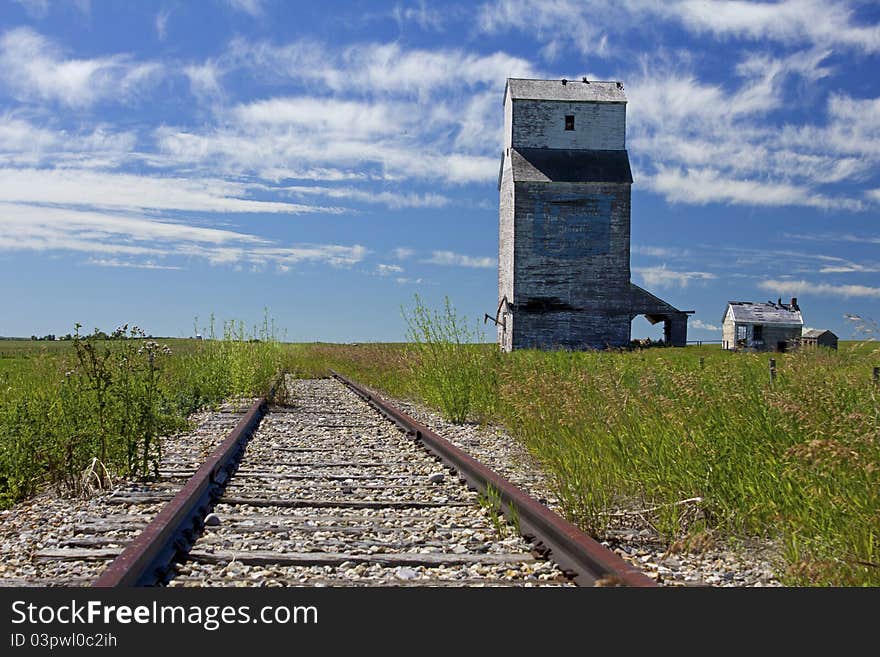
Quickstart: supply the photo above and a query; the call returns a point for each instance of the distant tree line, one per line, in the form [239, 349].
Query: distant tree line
[98, 335]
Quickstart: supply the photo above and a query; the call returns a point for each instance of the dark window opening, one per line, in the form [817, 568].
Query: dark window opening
[758, 332]
[569, 121]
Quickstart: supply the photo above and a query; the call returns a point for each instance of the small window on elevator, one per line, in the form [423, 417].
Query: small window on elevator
[569, 121]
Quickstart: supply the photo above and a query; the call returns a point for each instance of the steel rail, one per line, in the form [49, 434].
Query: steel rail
[590, 562]
[146, 560]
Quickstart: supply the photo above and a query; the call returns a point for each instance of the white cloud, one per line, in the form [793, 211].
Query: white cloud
[315, 140]
[835, 237]
[251, 7]
[204, 79]
[796, 287]
[390, 199]
[707, 185]
[380, 68]
[591, 26]
[449, 258]
[129, 264]
[658, 251]
[420, 14]
[662, 277]
[24, 144]
[375, 110]
[162, 23]
[403, 253]
[384, 270]
[555, 22]
[820, 22]
[704, 326]
[133, 192]
[699, 143]
[109, 236]
[33, 68]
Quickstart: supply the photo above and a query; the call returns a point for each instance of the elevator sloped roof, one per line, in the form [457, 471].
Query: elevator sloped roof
[559, 165]
[572, 90]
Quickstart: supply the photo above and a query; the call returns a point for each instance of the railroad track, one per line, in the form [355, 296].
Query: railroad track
[342, 489]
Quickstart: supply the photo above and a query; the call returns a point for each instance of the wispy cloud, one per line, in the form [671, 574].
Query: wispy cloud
[557, 23]
[787, 287]
[592, 26]
[420, 14]
[834, 237]
[695, 142]
[134, 192]
[385, 270]
[162, 23]
[387, 198]
[658, 251]
[24, 144]
[107, 236]
[377, 110]
[34, 68]
[129, 264]
[663, 277]
[820, 22]
[701, 186]
[250, 7]
[403, 253]
[703, 326]
[452, 259]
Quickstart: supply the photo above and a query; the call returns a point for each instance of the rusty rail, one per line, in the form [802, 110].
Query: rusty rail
[147, 558]
[567, 545]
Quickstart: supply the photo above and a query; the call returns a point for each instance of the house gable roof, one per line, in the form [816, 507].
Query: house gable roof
[817, 333]
[748, 312]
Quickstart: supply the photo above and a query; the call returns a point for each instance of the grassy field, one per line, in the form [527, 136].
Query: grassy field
[79, 413]
[796, 459]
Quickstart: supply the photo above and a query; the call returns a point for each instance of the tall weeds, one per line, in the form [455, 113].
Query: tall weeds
[101, 406]
[450, 370]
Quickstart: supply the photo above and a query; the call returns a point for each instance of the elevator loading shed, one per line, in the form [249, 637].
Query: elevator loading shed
[564, 229]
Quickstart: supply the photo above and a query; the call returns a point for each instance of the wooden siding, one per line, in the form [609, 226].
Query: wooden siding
[505, 253]
[771, 336]
[541, 124]
[571, 273]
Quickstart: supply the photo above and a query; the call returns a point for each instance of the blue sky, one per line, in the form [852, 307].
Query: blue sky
[161, 161]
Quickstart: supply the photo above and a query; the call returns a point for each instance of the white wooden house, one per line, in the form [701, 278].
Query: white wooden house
[757, 326]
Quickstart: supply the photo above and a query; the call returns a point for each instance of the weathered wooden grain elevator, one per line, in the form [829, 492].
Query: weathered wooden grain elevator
[564, 230]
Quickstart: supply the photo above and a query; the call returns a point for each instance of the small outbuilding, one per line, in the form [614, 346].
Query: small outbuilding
[756, 326]
[818, 338]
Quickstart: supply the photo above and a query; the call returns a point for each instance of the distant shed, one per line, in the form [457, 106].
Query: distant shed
[818, 338]
[761, 326]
